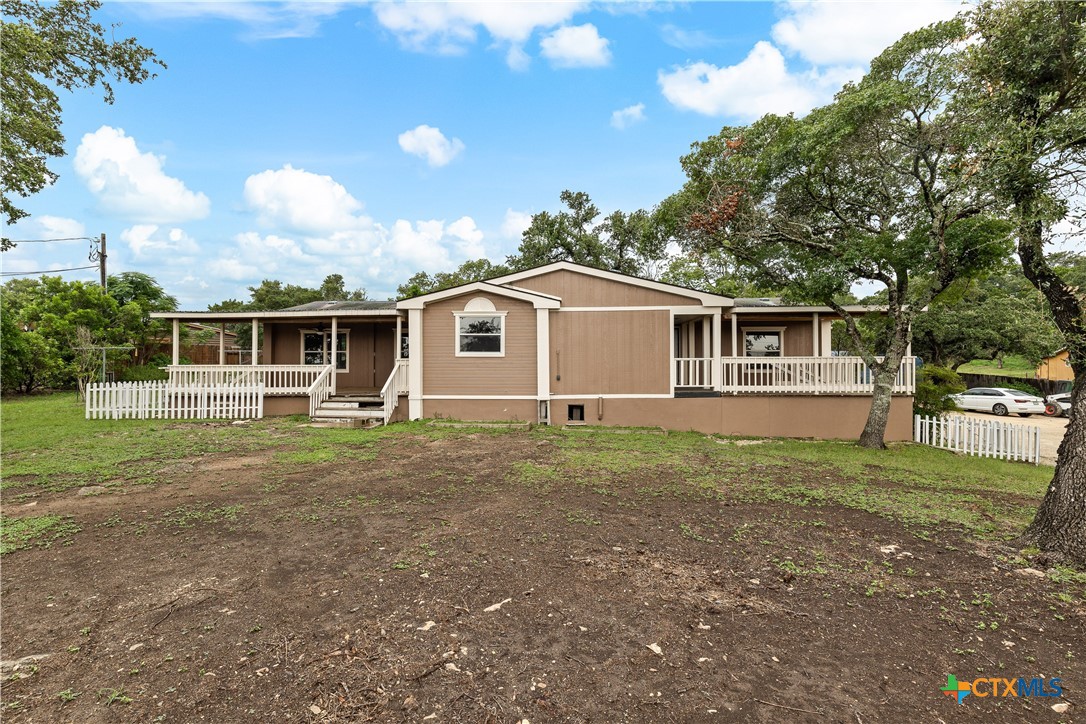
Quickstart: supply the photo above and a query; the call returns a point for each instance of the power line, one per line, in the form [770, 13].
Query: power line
[46, 271]
[46, 241]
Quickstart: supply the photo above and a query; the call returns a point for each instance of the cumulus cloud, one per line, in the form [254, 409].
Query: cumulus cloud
[302, 201]
[576, 46]
[131, 183]
[852, 33]
[761, 83]
[450, 28]
[431, 144]
[145, 238]
[626, 117]
[59, 227]
[515, 223]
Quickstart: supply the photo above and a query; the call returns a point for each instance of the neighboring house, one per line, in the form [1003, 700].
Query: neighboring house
[1056, 366]
[565, 344]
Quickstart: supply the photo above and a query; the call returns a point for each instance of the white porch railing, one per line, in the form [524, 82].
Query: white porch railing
[694, 371]
[809, 375]
[277, 379]
[321, 389]
[982, 438]
[395, 385]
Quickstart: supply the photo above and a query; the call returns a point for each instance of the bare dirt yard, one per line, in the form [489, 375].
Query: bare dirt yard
[203, 571]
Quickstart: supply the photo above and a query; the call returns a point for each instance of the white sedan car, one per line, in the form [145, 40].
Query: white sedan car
[1000, 401]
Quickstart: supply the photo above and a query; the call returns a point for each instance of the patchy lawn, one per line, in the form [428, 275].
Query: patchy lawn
[170, 571]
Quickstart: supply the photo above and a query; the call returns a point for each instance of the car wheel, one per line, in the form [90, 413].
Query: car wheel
[1024, 414]
[1000, 409]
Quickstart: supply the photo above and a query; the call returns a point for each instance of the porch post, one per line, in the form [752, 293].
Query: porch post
[827, 338]
[399, 336]
[255, 337]
[814, 335]
[706, 347]
[414, 366]
[542, 356]
[735, 334]
[176, 341]
[334, 348]
[222, 343]
[717, 377]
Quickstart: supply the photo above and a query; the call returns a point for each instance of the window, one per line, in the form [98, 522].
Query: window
[763, 342]
[576, 413]
[316, 349]
[480, 335]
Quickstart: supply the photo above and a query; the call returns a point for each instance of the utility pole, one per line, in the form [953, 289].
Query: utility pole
[102, 263]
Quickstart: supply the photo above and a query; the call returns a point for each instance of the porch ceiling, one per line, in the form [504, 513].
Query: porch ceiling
[283, 316]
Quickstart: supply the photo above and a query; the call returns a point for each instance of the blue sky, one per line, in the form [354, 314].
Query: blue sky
[293, 140]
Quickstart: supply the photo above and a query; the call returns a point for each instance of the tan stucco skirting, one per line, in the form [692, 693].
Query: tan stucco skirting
[286, 406]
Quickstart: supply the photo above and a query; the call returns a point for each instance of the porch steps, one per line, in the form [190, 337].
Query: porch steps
[352, 408]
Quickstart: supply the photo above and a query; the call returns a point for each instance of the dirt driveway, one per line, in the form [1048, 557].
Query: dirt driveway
[1052, 430]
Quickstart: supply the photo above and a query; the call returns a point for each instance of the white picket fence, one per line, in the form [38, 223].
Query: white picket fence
[165, 400]
[982, 438]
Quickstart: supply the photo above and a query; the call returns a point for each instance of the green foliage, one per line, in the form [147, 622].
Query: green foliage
[144, 373]
[47, 47]
[472, 270]
[934, 386]
[627, 243]
[993, 318]
[43, 530]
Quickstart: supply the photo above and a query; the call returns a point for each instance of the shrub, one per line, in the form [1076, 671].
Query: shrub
[143, 373]
[934, 386]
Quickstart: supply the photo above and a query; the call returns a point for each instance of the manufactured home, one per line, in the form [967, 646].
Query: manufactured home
[562, 344]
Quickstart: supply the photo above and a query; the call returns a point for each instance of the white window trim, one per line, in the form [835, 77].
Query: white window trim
[745, 330]
[457, 316]
[327, 333]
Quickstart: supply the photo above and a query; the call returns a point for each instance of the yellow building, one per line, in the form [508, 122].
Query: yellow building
[1056, 366]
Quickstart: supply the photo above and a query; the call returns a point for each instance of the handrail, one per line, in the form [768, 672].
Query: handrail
[277, 379]
[321, 389]
[694, 371]
[809, 375]
[394, 385]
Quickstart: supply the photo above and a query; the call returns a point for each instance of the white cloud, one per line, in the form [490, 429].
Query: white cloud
[626, 117]
[761, 83]
[466, 237]
[131, 183]
[59, 227]
[576, 46]
[143, 238]
[302, 201]
[850, 33]
[683, 39]
[449, 28]
[515, 223]
[430, 143]
[262, 20]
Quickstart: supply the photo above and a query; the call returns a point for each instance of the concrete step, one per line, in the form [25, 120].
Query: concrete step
[324, 413]
[360, 398]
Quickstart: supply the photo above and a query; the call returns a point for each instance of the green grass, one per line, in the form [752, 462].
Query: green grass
[49, 447]
[1013, 366]
[42, 531]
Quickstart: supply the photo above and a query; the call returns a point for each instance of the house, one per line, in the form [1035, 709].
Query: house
[1056, 366]
[564, 344]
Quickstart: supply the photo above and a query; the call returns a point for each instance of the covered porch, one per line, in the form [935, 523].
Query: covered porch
[334, 360]
[766, 348]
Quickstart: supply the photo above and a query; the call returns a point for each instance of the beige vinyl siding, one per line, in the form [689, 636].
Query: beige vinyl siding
[443, 373]
[582, 290]
[616, 353]
[797, 338]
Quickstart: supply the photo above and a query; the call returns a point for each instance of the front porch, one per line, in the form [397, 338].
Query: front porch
[786, 375]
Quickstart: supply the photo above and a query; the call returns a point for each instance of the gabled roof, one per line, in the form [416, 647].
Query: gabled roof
[707, 299]
[540, 301]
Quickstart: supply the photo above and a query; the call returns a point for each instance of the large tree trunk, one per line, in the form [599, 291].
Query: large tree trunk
[874, 434]
[1060, 523]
